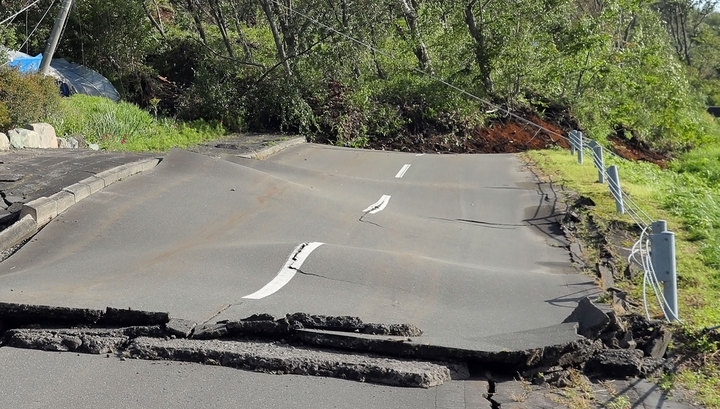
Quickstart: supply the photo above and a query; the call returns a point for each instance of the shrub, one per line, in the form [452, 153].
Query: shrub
[26, 98]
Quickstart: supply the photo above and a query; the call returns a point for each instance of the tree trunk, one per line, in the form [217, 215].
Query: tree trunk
[419, 48]
[190, 5]
[217, 14]
[282, 55]
[482, 53]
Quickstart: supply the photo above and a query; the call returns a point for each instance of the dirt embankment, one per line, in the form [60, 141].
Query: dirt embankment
[512, 134]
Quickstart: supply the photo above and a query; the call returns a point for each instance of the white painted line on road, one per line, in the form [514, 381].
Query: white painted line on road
[297, 258]
[378, 206]
[402, 171]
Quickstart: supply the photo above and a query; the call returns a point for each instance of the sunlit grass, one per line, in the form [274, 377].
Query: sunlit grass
[125, 127]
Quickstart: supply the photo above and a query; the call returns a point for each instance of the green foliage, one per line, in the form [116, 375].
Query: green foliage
[25, 98]
[124, 126]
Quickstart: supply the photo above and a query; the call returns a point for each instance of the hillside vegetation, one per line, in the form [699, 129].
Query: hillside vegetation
[361, 72]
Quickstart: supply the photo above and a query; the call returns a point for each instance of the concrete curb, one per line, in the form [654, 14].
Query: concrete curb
[19, 231]
[39, 212]
[271, 150]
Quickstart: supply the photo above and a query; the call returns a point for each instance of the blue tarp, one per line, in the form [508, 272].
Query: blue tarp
[26, 64]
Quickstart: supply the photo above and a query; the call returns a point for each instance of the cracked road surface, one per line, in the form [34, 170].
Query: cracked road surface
[460, 245]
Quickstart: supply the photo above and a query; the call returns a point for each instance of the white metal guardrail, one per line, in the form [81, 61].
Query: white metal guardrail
[654, 251]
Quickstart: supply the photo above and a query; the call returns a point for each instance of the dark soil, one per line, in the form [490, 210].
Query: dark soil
[512, 135]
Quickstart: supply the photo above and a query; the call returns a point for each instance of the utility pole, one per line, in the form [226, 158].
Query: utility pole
[55, 36]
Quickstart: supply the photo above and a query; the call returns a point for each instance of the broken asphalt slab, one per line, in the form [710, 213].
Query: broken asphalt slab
[300, 343]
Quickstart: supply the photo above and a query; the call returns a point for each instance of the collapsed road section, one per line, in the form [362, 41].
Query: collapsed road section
[341, 347]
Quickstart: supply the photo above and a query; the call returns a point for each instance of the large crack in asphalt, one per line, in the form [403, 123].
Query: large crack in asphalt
[337, 346]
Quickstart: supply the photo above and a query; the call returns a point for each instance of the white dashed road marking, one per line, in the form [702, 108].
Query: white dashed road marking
[297, 258]
[378, 206]
[402, 171]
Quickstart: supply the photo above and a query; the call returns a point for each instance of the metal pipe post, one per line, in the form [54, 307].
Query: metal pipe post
[580, 147]
[55, 36]
[598, 160]
[615, 189]
[571, 137]
[662, 256]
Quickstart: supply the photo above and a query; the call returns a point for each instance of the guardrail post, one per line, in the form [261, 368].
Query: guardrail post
[615, 189]
[576, 144]
[581, 150]
[662, 256]
[598, 160]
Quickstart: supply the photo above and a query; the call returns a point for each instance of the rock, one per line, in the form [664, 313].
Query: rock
[48, 138]
[4, 142]
[68, 143]
[23, 138]
[94, 147]
[591, 320]
[616, 363]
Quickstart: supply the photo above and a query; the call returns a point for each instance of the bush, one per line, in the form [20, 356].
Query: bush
[25, 98]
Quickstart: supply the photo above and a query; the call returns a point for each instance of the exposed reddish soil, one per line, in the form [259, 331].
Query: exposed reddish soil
[511, 135]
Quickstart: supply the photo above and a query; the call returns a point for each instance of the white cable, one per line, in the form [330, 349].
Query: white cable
[19, 12]
[37, 25]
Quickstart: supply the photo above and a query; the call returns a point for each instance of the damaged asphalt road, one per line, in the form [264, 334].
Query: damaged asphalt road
[341, 347]
[466, 251]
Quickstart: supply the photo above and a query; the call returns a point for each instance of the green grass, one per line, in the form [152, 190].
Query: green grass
[125, 127]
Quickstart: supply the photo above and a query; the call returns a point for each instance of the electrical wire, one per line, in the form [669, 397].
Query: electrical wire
[37, 25]
[9, 19]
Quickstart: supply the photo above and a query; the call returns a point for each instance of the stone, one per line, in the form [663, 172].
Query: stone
[94, 147]
[23, 138]
[68, 143]
[616, 363]
[591, 320]
[4, 142]
[48, 138]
